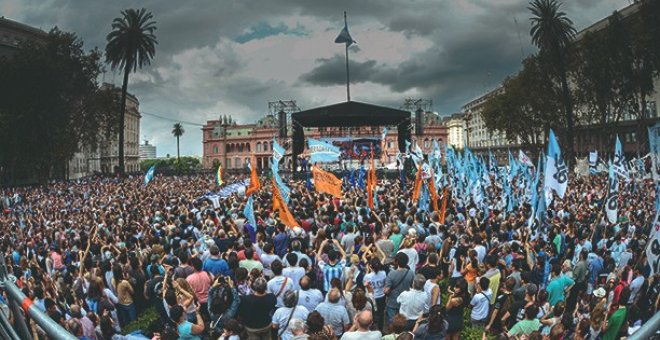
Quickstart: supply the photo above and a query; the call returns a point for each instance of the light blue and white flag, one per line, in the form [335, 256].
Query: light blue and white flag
[619, 162]
[284, 190]
[249, 212]
[322, 152]
[149, 175]
[278, 152]
[524, 159]
[611, 203]
[556, 172]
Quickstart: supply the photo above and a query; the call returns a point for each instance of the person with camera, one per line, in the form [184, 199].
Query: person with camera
[186, 329]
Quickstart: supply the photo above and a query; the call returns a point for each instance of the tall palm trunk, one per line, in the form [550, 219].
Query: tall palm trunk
[568, 108]
[122, 114]
[177, 150]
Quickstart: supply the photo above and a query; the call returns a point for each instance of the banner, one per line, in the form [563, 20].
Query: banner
[218, 176]
[255, 185]
[278, 152]
[654, 147]
[611, 203]
[149, 175]
[556, 172]
[249, 213]
[225, 192]
[321, 152]
[619, 162]
[326, 182]
[280, 205]
[653, 252]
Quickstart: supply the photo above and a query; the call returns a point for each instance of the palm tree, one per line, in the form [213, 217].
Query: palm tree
[552, 31]
[177, 131]
[131, 45]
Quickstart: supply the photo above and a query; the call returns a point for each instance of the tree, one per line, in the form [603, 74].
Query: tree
[526, 109]
[177, 131]
[552, 32]
[56, 107]
[131, 45]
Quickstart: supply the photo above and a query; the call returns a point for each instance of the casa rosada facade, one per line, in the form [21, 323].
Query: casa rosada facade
[232, 145]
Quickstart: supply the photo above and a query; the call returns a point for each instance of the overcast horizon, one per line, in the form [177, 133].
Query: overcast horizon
[231, 58]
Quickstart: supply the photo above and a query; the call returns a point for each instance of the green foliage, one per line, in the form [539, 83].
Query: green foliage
[56, 106]
[148, 322]
[183, 165]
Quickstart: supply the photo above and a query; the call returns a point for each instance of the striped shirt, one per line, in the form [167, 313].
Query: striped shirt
[331, 272]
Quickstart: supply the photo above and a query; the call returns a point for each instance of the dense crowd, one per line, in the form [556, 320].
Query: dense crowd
[95, 254]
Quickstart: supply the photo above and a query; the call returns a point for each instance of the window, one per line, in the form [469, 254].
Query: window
[265, 146]
[237, 162]
[228, 165]
[247, 160]
[215, 148]
[258, 146]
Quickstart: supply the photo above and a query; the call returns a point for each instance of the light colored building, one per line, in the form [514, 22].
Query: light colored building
[455, 125]
[147, 151]
[235, 148]
[85, 162]
[479, 137]
[109, 148]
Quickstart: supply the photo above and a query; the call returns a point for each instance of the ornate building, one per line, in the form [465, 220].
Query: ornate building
[232, 145]
[109, 149]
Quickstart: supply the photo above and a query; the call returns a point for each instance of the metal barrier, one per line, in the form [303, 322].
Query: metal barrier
[19, 303]
[648, 329]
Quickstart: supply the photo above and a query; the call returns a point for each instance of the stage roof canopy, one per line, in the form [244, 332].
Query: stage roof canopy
[350, 114]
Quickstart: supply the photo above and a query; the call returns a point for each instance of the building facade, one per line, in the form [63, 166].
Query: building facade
[13, 33]
[455, 125]
[147, 151]
[109, 148]
[232, 145]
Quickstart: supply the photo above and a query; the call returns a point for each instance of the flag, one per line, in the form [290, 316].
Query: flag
[418, 184]
[255, 185]
[284, 190]
[326, 182]
[360, 180]
[443, 210]
[434, 193]
[556, 172]
[249, 213]
[654, 148]
[321, 152]
[619, 162]
[383, 139]
[149, 175]
[524, 159]
[218, 176]
[612, 196]
[344, 37]
[371, 182]
[280, 205]
[278, 152]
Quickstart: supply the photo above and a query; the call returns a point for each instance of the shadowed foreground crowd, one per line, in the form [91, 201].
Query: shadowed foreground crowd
[96, 254]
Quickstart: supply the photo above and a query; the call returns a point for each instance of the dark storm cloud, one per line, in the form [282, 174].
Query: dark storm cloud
[446, 50]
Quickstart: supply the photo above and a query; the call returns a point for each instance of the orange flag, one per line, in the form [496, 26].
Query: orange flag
[254, 181]
[418, 184]
[326, 182]
[279, 205]
[444, 207]
[434, 193]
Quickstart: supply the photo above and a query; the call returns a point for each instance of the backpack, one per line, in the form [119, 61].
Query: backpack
[220, 298]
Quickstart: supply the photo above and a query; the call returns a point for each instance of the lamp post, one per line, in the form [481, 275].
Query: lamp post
[467, 117]
[224, 122]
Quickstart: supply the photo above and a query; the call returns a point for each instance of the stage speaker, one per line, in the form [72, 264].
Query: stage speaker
[281, 124]
[419, 122]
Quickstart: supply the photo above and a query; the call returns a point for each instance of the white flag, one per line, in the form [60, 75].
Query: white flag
[611, 204]
[556, 172]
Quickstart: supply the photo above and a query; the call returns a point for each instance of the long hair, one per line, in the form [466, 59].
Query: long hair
[436, 319]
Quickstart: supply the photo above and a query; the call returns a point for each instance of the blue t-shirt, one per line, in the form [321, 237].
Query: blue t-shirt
[216, 266]
[185, 331]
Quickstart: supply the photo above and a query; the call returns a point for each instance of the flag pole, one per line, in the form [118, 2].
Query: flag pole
[348, 86]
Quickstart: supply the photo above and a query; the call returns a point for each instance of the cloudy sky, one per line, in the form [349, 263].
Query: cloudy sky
[232, 57]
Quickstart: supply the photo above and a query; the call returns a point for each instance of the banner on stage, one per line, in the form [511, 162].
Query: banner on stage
[357, 148]
[322, 152]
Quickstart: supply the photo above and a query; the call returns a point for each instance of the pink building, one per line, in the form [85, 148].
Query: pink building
[235, 148]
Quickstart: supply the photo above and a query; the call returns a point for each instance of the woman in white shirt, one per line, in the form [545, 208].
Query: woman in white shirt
[374, 281]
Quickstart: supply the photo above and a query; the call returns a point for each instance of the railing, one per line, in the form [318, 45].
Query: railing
[648, 329]
[20, 304]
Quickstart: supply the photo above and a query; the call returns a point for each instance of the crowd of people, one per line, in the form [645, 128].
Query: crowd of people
[96, 254]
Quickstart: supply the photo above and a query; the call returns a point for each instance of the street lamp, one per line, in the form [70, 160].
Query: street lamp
[224, 122]
[467, 117]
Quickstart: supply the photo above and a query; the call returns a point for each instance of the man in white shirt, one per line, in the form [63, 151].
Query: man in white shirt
[480, 303]
[636, 283]
[360, 329]
[283, 315]
[293, 272]
[279, 284]
[479, 248]
[308, 297]
[414, 302]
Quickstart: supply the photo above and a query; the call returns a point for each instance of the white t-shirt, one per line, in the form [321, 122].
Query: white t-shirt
[413, 303]
[377, 282]
[413, 257]
[428, 289]
[310, 298]
[266, 260]
[370, 335]
[295, 274]
[281, 318]
[274, 286]
[480, 302]
[481, 252]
